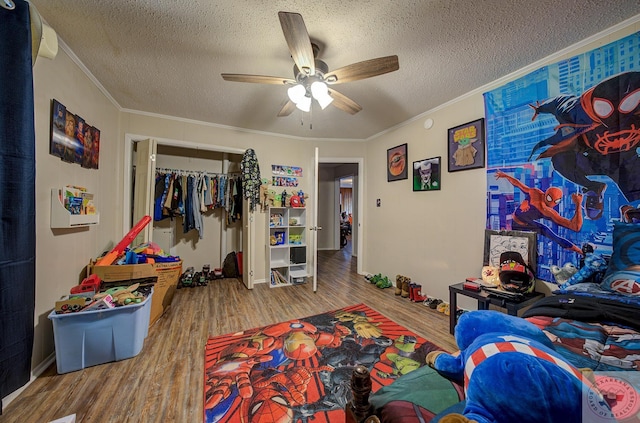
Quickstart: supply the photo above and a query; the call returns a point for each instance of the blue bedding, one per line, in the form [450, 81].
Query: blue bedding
[600, 331]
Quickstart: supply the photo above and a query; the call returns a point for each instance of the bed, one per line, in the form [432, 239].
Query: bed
[592, 325]
[599, 331]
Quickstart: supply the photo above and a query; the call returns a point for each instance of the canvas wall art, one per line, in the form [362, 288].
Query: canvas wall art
[72, 139]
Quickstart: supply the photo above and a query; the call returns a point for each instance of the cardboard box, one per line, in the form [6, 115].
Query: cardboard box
[70, 305]
[165, 288]
[125, 273]
[167, 274]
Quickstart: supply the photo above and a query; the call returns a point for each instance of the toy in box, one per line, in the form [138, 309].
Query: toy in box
[295, 239]
[276, 219]
[279, 237]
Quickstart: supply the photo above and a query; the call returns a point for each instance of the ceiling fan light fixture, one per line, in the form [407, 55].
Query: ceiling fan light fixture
[319, 89]
[304, 104]
[320, 92]
[324, 101]
[297, 93]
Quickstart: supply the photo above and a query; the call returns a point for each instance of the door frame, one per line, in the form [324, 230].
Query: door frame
[360, 214]
[129, 139]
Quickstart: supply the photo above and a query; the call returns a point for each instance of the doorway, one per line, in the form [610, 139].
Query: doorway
[186, 157]
[345, 203]
[338, 190]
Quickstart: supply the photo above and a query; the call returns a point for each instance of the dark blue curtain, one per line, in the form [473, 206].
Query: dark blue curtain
[17, 199]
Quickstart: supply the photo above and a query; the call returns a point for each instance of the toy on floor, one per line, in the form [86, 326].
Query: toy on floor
[511, 373]
[187, 278]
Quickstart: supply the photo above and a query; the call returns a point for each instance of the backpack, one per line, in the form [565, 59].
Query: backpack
[230, 266]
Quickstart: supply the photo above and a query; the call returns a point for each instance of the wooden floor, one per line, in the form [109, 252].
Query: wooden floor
[164, 383]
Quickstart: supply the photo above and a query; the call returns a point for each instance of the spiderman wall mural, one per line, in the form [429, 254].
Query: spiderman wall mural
[564, 153]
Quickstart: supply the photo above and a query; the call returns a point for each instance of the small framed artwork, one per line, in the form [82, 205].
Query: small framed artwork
[466, 146]
[426, 174]
[498, 242]
[397, 163]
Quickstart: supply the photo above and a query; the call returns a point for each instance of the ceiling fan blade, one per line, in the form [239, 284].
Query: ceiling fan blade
[258, 79]
[362, 70]
[344, 103]
[287, 109]
[295, 32]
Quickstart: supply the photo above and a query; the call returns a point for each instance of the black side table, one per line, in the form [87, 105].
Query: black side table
[484, 299]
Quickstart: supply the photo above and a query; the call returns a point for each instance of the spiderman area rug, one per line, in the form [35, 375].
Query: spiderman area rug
[300, 370]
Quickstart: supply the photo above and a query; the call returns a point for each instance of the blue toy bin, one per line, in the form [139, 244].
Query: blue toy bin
[89, 338]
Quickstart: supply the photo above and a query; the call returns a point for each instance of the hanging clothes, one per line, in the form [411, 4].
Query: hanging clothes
[195, 206]
[188, 222]
[251, 178]
[191, 194]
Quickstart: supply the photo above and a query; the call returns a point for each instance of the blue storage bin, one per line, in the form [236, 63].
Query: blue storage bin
[89, 338]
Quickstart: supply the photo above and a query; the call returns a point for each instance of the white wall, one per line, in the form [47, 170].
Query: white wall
[62, 254]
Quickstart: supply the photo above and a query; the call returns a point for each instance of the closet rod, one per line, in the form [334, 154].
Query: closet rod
[169, 170]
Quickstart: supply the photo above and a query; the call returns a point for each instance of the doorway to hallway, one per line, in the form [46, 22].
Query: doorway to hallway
[338, 183]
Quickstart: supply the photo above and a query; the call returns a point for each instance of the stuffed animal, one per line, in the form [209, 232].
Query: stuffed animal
[510, 372]
[593, 263]
[562, 274]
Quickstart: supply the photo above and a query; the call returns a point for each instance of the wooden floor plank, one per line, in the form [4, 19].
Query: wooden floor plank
[164, 383]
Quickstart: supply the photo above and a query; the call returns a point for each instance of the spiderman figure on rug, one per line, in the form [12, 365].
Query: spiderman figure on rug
[251, 370]
[541, 205]
[598, 134]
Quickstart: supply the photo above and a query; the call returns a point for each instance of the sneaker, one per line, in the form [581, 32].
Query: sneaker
[383, 283]
[435, 303]
[443, 308]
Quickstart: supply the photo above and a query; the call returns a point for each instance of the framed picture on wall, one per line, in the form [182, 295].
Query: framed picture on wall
[426, 174]
[466, 146]
[498, 242]
[397, 163]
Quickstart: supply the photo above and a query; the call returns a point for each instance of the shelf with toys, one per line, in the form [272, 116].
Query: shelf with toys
[72, 207]
[287, 249]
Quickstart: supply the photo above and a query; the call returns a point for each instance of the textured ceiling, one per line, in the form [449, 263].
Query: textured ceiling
[166, 56]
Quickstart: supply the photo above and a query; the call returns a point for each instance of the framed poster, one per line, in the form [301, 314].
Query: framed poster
[466, 146]
[497, 242]
[397, 163]
[426, 174]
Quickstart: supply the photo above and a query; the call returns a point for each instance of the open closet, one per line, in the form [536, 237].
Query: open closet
[222, 226]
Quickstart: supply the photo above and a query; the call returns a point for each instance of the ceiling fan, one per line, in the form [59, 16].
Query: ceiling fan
[312, 76]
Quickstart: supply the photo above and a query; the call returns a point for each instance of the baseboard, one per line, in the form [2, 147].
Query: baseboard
[37, 371]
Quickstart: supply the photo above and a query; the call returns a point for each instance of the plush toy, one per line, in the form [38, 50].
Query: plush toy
[593, 263]
[510, 372]
[562, 274]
